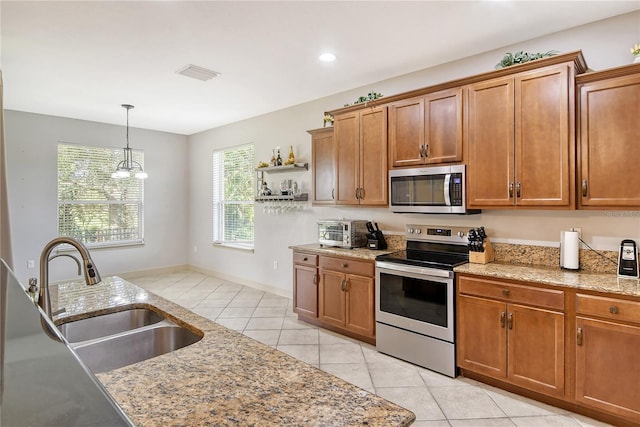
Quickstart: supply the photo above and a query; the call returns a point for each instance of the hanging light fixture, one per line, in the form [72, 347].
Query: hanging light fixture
[129, 167]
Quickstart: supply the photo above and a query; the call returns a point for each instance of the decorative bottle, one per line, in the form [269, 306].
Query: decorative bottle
[292, 158]
[274, 162]
[278, 159]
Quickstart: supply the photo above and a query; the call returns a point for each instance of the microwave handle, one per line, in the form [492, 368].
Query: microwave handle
[447, 189]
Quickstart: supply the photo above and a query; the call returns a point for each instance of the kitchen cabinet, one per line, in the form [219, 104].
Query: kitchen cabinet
[520, 139]
[426, 130]
[323, 166]
[512, 332]
[608, 135]
[607, 343]
[305, 284]
[346, 296]
[360, 139]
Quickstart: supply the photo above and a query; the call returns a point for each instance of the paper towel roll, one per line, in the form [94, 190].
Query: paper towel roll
[570, 251]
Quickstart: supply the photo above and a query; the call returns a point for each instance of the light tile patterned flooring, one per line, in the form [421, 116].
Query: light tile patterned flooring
[436, 400]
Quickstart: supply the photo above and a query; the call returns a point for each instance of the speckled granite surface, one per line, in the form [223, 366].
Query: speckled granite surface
[224, 379]
[555, 276]
[362, 253]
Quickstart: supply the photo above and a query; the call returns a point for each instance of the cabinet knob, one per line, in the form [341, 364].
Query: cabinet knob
[613, 309]
[505, 292]
[305, 259]
[345, 265]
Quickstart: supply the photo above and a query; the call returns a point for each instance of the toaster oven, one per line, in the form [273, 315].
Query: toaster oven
[342, 233]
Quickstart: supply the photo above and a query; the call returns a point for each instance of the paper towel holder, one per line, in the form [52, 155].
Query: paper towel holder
[570, 250]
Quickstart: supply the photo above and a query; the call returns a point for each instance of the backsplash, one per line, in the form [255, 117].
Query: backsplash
[590, 261]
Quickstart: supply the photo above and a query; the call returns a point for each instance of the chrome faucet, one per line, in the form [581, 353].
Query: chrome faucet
[91, 275]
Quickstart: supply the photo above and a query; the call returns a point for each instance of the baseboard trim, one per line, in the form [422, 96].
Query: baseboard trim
[242, 281]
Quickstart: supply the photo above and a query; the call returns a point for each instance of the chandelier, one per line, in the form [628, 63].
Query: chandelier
[128, 167]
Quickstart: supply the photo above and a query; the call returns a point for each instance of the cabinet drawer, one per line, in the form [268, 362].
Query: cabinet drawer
[609, 308]
[512, 293]
[348, 266]
[305, 259]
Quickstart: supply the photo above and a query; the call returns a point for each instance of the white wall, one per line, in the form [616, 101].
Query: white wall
[604, 44]
[31, 142]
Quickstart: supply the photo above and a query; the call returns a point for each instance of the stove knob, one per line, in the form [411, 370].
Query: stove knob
[461, 234]
[418, 231]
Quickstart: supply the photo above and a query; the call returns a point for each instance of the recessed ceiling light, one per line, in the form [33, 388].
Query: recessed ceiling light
[327, 57]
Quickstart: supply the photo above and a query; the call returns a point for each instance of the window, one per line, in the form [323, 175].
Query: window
[233, 196]
[93, 207]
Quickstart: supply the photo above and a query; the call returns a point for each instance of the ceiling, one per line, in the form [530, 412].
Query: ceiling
[82, 59]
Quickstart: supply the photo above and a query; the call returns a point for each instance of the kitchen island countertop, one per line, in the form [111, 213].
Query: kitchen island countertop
[554, 276]
[224, 379]
[362, 253]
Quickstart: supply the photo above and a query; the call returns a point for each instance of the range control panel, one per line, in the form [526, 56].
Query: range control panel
[434, 233]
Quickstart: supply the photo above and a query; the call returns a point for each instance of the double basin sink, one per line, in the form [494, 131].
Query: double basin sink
[109, 341]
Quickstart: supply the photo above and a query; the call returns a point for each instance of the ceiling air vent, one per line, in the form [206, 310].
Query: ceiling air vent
[199, 73]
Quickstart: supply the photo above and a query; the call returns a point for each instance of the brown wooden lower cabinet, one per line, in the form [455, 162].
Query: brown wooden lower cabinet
[338, 294]
[573, 349]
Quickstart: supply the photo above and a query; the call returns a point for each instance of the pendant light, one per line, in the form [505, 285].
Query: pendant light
[128, 167]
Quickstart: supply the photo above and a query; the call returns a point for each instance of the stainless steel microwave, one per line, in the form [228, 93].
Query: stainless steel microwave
[342, 233]
[434, 189]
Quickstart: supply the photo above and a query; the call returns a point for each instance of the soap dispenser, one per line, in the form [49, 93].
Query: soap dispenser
[33, 289]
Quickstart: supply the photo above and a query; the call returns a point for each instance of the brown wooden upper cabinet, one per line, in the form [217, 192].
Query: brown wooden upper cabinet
[609, 138]
[426, 130]
[323, 166]
[360, 139]
[520, 140]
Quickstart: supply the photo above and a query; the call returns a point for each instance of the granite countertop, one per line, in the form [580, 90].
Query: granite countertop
[224, 379]
[555, 276]
[362, 253]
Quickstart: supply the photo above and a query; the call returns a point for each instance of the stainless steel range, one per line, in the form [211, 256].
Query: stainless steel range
[415, 297]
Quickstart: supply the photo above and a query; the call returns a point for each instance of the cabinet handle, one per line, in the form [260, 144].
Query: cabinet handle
[315, 279]
[305, 259]
[361, 193]
[333, 194]
[502, 317]
[613, 309]
[421, 150]
[518, 189]
[347, 285]
[579, 337]
[510, 321]
[342, 285]
[426, 150]
[505, 292]
[584, 188]
[510, 190]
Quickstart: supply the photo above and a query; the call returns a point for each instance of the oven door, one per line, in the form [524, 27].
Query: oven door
[416, 299]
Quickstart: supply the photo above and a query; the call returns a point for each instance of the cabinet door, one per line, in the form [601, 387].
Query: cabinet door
[544, 138]
[332, 298]
[490, 141]
[373, 177]
[305, 290]
[360, 317]
[535, 354]
[609, 136]
[346, 134]
[323, 166]
[443, 127]
[607, 374]
[406, 132]
[482, 336]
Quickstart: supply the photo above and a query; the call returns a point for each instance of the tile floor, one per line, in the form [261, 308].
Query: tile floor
[436, 400]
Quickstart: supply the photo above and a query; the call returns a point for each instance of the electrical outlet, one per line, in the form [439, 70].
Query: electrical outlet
[579, 230]
[275, 265]
[31, 264]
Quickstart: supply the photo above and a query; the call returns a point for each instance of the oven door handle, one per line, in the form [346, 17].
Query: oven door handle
[403, 268]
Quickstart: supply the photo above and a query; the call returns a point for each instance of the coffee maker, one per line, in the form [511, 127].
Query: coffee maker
[628, 259]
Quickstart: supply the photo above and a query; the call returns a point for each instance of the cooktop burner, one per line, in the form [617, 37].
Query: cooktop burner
[437, 247]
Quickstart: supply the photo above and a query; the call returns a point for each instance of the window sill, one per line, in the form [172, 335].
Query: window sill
[93, 247]
[236, 246]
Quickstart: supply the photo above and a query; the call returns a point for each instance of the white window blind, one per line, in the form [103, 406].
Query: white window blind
[233, 196]
[93, 207]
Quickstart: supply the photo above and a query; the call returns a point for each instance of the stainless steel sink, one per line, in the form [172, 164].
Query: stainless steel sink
[134, 346]
[108, 324]
[113, 340]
